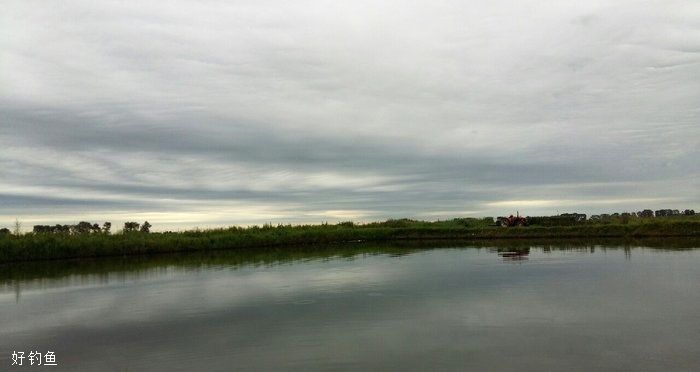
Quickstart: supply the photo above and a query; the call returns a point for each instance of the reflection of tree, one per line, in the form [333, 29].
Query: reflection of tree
[271, 256]
[514, 254]
[18, 291]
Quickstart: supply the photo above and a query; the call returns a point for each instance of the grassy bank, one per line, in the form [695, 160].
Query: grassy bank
[58, 246]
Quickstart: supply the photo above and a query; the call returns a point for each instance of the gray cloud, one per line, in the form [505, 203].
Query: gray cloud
[213, 113]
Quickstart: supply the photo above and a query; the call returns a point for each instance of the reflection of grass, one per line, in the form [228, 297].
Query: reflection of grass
[55, 246]
[269, 256]
[192, 260]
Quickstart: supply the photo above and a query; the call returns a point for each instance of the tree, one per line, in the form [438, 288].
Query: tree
[146, 227]
[41, 229]
[82, 227]
[106, 227]
[131, 226]
[4, 231]
[18, 228]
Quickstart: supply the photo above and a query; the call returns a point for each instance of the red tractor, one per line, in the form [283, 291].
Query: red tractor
[511, 221]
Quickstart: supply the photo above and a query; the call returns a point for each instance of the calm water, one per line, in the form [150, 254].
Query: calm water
[590, 308]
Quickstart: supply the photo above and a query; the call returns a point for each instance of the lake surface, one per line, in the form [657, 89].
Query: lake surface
[584, 308]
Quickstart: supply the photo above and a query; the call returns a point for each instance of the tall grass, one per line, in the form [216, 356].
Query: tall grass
[55, 246]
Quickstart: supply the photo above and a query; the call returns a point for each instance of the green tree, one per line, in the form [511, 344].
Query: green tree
[18, 228]
[131, 226]
[146, 227]
[82, 227]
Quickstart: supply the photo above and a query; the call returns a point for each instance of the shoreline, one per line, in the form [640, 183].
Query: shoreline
[274, 255]
[37, 247]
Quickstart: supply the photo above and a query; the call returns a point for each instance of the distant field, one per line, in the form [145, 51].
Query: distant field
[42, 246]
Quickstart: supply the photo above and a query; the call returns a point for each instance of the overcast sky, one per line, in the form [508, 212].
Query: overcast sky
[209, 113]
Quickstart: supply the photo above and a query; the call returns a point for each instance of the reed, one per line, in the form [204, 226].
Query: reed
[38, 246]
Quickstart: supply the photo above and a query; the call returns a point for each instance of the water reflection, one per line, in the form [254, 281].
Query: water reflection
[364, 307]
[513, 254]
[17, 277]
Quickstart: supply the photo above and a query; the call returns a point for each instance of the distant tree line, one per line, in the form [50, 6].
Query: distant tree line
[84, 227]
[571, 219]
[80, 228]
[135, 226]
[647, 213]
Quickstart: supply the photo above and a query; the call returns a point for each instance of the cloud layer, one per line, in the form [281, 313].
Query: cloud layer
[212, 113]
